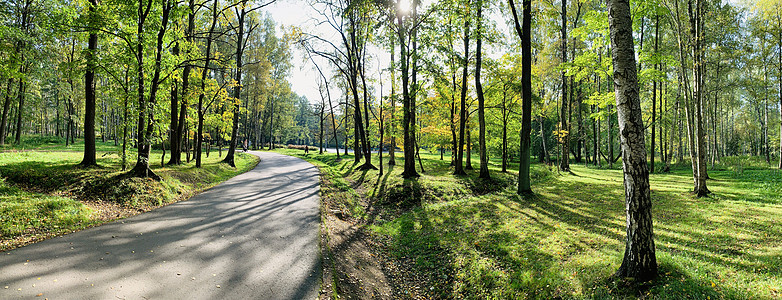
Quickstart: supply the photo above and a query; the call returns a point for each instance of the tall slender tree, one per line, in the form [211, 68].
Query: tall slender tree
[639, 260]
[459, 169]
[484, 167]
[564, 129]
[524, 34]
[696, 32]
[89, 91]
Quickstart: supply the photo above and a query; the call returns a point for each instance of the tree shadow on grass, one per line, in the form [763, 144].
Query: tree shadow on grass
[46, 176]
[685, 239]
[673, 282]
[481, 186]
[425, 259]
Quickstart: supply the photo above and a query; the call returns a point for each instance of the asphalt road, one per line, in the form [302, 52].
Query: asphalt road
[253, 237]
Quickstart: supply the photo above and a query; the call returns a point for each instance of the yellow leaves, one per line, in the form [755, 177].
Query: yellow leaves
[560, 135]
[767, 7]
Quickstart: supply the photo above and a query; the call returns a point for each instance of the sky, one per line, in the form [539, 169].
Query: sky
[304, 78]
[298, 13]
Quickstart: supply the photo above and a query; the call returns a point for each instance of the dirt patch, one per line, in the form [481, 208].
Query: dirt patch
[356, 271]
[352, 266]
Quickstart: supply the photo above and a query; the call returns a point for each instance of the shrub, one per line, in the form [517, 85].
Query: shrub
[301, 147]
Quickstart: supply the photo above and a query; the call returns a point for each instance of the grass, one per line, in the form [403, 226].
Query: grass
[469, 238]
[22, 212]
[44, 193]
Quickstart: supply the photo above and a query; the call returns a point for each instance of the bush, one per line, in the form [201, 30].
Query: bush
[301, 147]
[37, 140]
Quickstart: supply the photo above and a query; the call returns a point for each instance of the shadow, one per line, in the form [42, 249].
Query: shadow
[672, 282]
[481, 186]
[256, 234]
[380, 184]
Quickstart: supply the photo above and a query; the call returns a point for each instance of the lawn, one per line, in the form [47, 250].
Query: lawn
[463, 237]
[43, 193]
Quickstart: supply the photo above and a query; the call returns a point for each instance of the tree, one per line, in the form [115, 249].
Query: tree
[89, 93]
[408, 97]
[696, 32]
[564, 129]
[178, 122]
[459, 170]
[237, 89]
[524, 34]
[484, 167]
[639, 260]
[145, 125]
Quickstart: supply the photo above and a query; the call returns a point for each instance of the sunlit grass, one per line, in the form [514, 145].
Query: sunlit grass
[474, 239]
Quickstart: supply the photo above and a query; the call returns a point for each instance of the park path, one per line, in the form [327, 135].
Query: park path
[254, 236]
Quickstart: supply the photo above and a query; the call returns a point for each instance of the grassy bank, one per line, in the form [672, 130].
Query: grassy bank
[462, 237]
[44, 193]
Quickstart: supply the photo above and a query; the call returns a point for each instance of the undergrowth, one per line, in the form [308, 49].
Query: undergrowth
[464, 237]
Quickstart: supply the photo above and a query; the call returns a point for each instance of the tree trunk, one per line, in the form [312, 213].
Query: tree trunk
[484, 167]
[141, 168]
[145, 136]
[504, 130]
[409, 134]
[229, 157]
[459, 170]
[697, 34]
[564, 132]
[201, 109]
[392, 132]
[468, 163]
[89, 96]
[654, 96]
[6, 108]
[524, 34]
[779, 47]
[22, 91]
[639, 260]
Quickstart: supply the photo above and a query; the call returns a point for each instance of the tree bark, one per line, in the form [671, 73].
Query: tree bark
[6, 108]
[19, 110]
[391, 131]
[564, 129]
[524, 34]
[146, 113]
[204, 73]
[639, 260]
[459, 169]
[409, 135]
[468, 159]
[89, 95]
[654, 96]
[179, 105]
[237, 90]
[484, 167]
[697, 34]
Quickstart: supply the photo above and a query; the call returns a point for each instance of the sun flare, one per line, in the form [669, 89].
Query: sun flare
[403, 6]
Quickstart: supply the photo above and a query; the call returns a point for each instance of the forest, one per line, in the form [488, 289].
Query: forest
[537, 149]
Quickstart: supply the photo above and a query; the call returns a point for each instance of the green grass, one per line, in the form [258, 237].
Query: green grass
[469, 238]
[22, 212]
[42, 190]
[52, 143]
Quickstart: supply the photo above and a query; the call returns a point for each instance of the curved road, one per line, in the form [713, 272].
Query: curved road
[254, 236]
